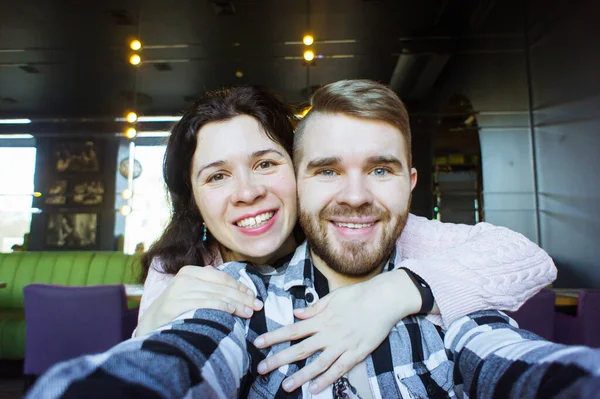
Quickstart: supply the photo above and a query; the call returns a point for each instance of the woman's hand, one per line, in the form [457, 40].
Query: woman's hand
[195, 287]
[347, 325]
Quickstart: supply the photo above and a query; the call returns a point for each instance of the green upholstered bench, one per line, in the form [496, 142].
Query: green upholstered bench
[63, 268]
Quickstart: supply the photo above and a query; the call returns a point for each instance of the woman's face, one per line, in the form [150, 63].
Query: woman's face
[245, 188]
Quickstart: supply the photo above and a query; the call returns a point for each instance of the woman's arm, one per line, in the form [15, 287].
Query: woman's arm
[193, 287]
[472, 268]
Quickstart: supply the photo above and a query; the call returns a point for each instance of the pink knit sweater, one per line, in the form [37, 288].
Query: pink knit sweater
[469, 268]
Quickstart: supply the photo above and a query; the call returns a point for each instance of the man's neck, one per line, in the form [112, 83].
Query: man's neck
[337, 280]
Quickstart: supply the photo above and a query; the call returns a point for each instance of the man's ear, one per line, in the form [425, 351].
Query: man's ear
[413, 178]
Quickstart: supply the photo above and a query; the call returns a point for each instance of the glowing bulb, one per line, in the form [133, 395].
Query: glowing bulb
[37, 194]
[127, 194]
[131, 133]
[309, 55]
[308, 40]
[135, 59]
[131, 117]
[125, 210]
[135, 45]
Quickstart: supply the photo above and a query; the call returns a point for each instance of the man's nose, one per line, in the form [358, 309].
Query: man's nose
[355, 191]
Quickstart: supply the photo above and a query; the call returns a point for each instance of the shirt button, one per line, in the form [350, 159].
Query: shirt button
[263, 379]
[309, 297]
[430, 389]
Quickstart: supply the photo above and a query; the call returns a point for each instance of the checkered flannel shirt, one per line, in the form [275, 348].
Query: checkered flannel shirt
[209, 354]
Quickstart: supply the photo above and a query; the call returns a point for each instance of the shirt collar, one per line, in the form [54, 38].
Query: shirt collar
[300, 269]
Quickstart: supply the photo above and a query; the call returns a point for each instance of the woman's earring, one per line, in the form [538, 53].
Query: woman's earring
[205, 232]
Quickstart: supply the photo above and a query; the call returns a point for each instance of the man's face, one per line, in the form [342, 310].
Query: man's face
[354, 190]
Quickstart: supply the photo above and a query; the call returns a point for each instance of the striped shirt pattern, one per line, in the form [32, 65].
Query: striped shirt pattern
[209, 354]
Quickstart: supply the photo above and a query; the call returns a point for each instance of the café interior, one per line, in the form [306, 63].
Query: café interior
[505, 120]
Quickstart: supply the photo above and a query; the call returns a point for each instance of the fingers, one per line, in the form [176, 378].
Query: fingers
[229, 293]
[310, 311]
[296, 352]
[341, 366]
[310, 371]
[212, 275]
[291, 332]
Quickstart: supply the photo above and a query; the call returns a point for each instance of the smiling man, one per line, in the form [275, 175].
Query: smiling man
[354, 174]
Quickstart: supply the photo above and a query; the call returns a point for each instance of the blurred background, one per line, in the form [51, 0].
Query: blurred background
[504, 98]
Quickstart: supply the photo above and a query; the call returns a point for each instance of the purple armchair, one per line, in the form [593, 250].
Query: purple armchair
[65, 322]
[584, 328]
[537, 314]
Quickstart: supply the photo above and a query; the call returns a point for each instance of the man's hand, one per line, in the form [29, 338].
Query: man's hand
[347, 325]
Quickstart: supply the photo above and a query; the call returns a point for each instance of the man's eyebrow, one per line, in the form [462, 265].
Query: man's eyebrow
[323, 161]
[210, 165]
[385, 160]
[258, 154]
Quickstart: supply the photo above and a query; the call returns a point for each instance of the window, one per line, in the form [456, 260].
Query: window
[16, 188]
[151, 210]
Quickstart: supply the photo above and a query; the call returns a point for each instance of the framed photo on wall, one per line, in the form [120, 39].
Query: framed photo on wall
[72, 230]
[77, 157]
[88, 192]
[57, 193]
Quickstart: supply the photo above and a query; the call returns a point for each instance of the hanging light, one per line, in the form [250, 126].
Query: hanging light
[125, 210]
[308, 40]
[131, 117]
[135, 59]
[130, 133]
[309, 55]
[135, 45]
[127, 194]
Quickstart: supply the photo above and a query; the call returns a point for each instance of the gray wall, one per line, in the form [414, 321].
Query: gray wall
[565, 65]
[563, 46]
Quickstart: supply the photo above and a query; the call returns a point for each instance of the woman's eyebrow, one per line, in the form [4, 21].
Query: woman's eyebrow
[210, 165]
[258, 154]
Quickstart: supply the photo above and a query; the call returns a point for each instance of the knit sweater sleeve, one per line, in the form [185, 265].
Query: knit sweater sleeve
[473, 268]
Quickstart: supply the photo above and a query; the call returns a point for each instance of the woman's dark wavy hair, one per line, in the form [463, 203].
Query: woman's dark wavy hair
[181, 243]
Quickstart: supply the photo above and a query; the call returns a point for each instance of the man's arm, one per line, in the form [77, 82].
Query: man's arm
[495, 359]
[202, 352]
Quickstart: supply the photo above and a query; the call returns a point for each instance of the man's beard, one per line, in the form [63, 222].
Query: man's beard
[353, 258]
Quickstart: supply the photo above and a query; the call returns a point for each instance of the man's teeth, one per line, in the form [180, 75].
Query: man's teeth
[354, 225]
[256, 221]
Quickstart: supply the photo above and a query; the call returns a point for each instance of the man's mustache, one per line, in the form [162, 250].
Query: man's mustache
[366, 210]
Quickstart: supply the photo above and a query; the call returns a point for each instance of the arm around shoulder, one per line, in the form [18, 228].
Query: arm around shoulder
[472, 268]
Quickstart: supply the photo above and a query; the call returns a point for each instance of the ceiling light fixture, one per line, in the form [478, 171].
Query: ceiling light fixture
[135, 59]
[18, 121]
[127, 194]
[308, 40]
[130, 133]
[159, 118]
[15, 136]
[125, 210]
[309, 55]
[131, 117]
[135, 45]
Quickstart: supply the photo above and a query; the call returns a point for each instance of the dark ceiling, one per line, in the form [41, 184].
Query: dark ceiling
[69, 58]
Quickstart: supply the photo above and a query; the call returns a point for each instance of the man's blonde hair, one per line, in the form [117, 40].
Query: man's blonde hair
[361, 98]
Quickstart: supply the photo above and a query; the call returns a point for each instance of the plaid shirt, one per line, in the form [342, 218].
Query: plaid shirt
[209, 353]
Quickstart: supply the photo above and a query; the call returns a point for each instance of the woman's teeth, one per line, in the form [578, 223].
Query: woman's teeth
[256, 221]
[354, 225]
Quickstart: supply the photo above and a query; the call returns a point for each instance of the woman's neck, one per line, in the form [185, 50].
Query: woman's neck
[288, 247]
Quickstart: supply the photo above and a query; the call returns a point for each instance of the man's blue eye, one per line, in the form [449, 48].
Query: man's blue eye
[380, 172]
[327, 172]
